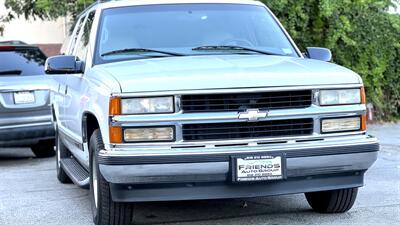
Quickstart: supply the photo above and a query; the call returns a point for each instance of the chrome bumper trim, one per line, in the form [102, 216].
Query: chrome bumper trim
[359, 140]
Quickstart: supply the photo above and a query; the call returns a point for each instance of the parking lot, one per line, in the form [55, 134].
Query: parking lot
[31, 194]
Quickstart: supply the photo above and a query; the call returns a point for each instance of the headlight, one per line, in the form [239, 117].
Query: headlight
[341, 124]
[147, 105]
[149, 134]
[340, 97]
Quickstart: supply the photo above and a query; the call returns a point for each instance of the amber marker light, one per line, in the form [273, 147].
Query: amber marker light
[364, 122]
[363, 97]
[115, 106]
[364, 116]
[115, 110]
[115, 135]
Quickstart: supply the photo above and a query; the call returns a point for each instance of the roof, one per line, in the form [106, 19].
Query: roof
[121, 3]
[104, 4]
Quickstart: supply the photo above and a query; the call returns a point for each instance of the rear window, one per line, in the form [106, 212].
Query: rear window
[21, 62]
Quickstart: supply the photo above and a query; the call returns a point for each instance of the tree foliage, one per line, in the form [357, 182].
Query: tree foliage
[46, 9]
[362, 35]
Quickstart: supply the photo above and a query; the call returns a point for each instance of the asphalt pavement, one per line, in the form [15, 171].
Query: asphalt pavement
[30, 194]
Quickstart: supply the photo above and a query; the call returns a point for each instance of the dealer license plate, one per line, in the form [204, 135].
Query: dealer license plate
[25, 97]
[258, 168]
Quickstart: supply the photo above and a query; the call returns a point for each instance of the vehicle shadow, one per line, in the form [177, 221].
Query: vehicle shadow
[12, 156]
[217, 211]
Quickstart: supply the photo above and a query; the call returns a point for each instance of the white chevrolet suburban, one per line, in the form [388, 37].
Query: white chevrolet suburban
[203, 99]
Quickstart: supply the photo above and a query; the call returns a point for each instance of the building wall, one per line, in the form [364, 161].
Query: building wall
[49, 34]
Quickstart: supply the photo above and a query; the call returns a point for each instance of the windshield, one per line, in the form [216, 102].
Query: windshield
[22, 62]
[183, 28]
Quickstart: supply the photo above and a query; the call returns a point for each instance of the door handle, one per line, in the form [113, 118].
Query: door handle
[66, 90]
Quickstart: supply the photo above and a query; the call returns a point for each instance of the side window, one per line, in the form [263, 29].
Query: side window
[74, 36]
[83, 44]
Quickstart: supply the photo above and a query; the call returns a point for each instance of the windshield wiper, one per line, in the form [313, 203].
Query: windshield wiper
[231, 48]
[11, 72]
[140, 50]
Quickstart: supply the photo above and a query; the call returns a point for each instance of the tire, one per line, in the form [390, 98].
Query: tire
[61, 152]
[44, 149]
[105, 210]
[335, 201]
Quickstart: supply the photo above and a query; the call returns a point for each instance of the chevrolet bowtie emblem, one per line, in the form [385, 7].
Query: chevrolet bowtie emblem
[253, 115]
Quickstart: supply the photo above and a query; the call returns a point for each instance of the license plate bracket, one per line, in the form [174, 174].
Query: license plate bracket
[24, 97]
[258, 168]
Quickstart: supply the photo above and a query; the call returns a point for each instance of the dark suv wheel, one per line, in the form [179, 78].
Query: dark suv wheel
[44, 149]
[105, 210]
[335, 201]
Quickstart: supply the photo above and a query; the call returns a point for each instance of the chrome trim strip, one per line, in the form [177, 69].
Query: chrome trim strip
[237, 141]
[25, 120]
[233, 90]
[333, 142]
[26, 125]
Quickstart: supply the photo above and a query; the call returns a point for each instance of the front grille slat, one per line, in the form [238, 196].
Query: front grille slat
[257, 104]
[242, 101]
[222, 126]
[262, 98]
[243, 130]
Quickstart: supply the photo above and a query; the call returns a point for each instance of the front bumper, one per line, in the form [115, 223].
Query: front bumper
[192, 174]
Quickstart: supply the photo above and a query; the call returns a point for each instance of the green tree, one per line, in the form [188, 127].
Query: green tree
[45, 9]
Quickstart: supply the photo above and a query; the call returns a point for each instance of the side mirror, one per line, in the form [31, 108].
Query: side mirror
[322, 54]
[63, 64]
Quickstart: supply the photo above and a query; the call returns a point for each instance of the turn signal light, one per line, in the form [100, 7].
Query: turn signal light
[363, 97]
[115, 106]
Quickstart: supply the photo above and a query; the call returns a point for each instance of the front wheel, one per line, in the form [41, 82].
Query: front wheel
[44, 149]
[105, 210]
[334, 201]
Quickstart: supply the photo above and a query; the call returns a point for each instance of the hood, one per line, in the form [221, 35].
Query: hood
[224, 71]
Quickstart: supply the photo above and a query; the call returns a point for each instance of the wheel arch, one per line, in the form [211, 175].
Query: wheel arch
[89, 124]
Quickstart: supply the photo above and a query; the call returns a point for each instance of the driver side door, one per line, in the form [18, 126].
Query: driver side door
[76, 85]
